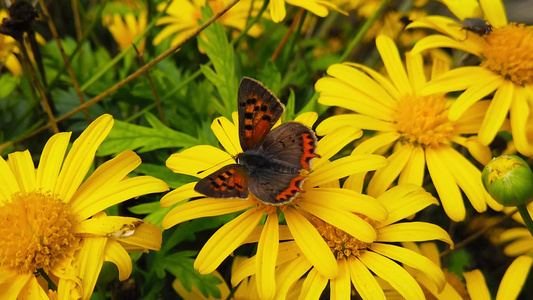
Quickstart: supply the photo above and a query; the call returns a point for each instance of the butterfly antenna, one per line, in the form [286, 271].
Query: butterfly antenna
[227, 136]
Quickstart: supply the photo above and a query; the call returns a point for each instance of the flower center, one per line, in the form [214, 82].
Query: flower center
[509, 51]
[341, 244]
[35, 232]
[424, 120]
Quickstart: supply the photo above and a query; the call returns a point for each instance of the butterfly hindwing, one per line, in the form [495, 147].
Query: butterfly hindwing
[291, 143]
[259, 109]
[228, 182]
[275, 188]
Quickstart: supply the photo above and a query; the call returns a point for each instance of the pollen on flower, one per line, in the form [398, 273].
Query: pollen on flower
[509, 52]
[35, 231]
[423, 120]
[341, 244]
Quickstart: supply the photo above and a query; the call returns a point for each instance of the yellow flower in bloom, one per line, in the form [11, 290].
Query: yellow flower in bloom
[475, 287]
[328, 202]
[358, 260]
[414, 122]
[51, 220]
[183, 16]
[320, 8]
[125, 30]
[8, 48]
[506, 67]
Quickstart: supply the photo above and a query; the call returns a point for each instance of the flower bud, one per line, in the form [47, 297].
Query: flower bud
[509, 180]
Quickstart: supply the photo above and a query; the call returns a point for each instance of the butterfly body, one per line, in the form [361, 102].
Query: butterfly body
[272, 163]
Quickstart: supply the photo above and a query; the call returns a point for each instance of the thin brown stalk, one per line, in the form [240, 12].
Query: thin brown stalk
[65, 58]
[286, 37]
[44, 99]
[151, 83]
[77, 20]
[129, 78]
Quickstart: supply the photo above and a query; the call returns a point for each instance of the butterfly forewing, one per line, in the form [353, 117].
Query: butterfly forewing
[229, 182]
[259, 110]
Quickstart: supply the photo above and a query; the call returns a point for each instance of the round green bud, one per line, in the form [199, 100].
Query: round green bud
[509, 180]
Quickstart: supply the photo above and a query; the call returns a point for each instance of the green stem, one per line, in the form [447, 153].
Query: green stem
[522, 209]
[361, 33]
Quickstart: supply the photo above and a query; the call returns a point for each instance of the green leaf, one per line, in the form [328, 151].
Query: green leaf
[173, 180]
[180, 264]
[220, 52]
[270, 76]
[7, 84]
[126, 136]
[155, 213]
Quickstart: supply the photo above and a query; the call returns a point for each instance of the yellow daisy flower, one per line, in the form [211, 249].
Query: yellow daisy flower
[125, 30]
[328, 203]
[320, 8]
[475, 287]
[413, 123]
[357, 259]
[506, 68]
[51, 220]
[183, 16]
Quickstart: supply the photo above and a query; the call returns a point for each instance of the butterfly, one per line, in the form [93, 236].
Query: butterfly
[272, 161]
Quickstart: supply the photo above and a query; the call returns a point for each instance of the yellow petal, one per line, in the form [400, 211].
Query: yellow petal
[224, 241]
[117, 193]
[308, 118]
[394, 274]
[284, 234]
[473, 94]
[520, 113]
[277, 10]
[312, 6]
[456, 80]
[497, 112]
[415, 70]
[348, 200]
[340, 286]
[514, 279]
[8, 182]
[393, 63]
[467, 176]
[354, 100]
[146, 236]
[494, 12]
[89, 261]
[376, 142]
[311, 243]
[267, 251]
[198, 161]
[313, 286]
[413, 260]
[289, 274]
[464, 8]
[332, 143]
[403, 201]
[13, 283]
[32, 290]
[331, 124]
[207, 207]
[184, 192]
[382, 80]
[117, 255]
[345, 166]
[519, 247]
[441, 41]
[413, 232]
[227, 134]
[450, 196]
[476, 286]
[80, 157]
[51, 160]
[363, 82]
[383, 177]
[22, 167]
[431, 251]
[363, 281]
[414, 170]
[346, 221]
